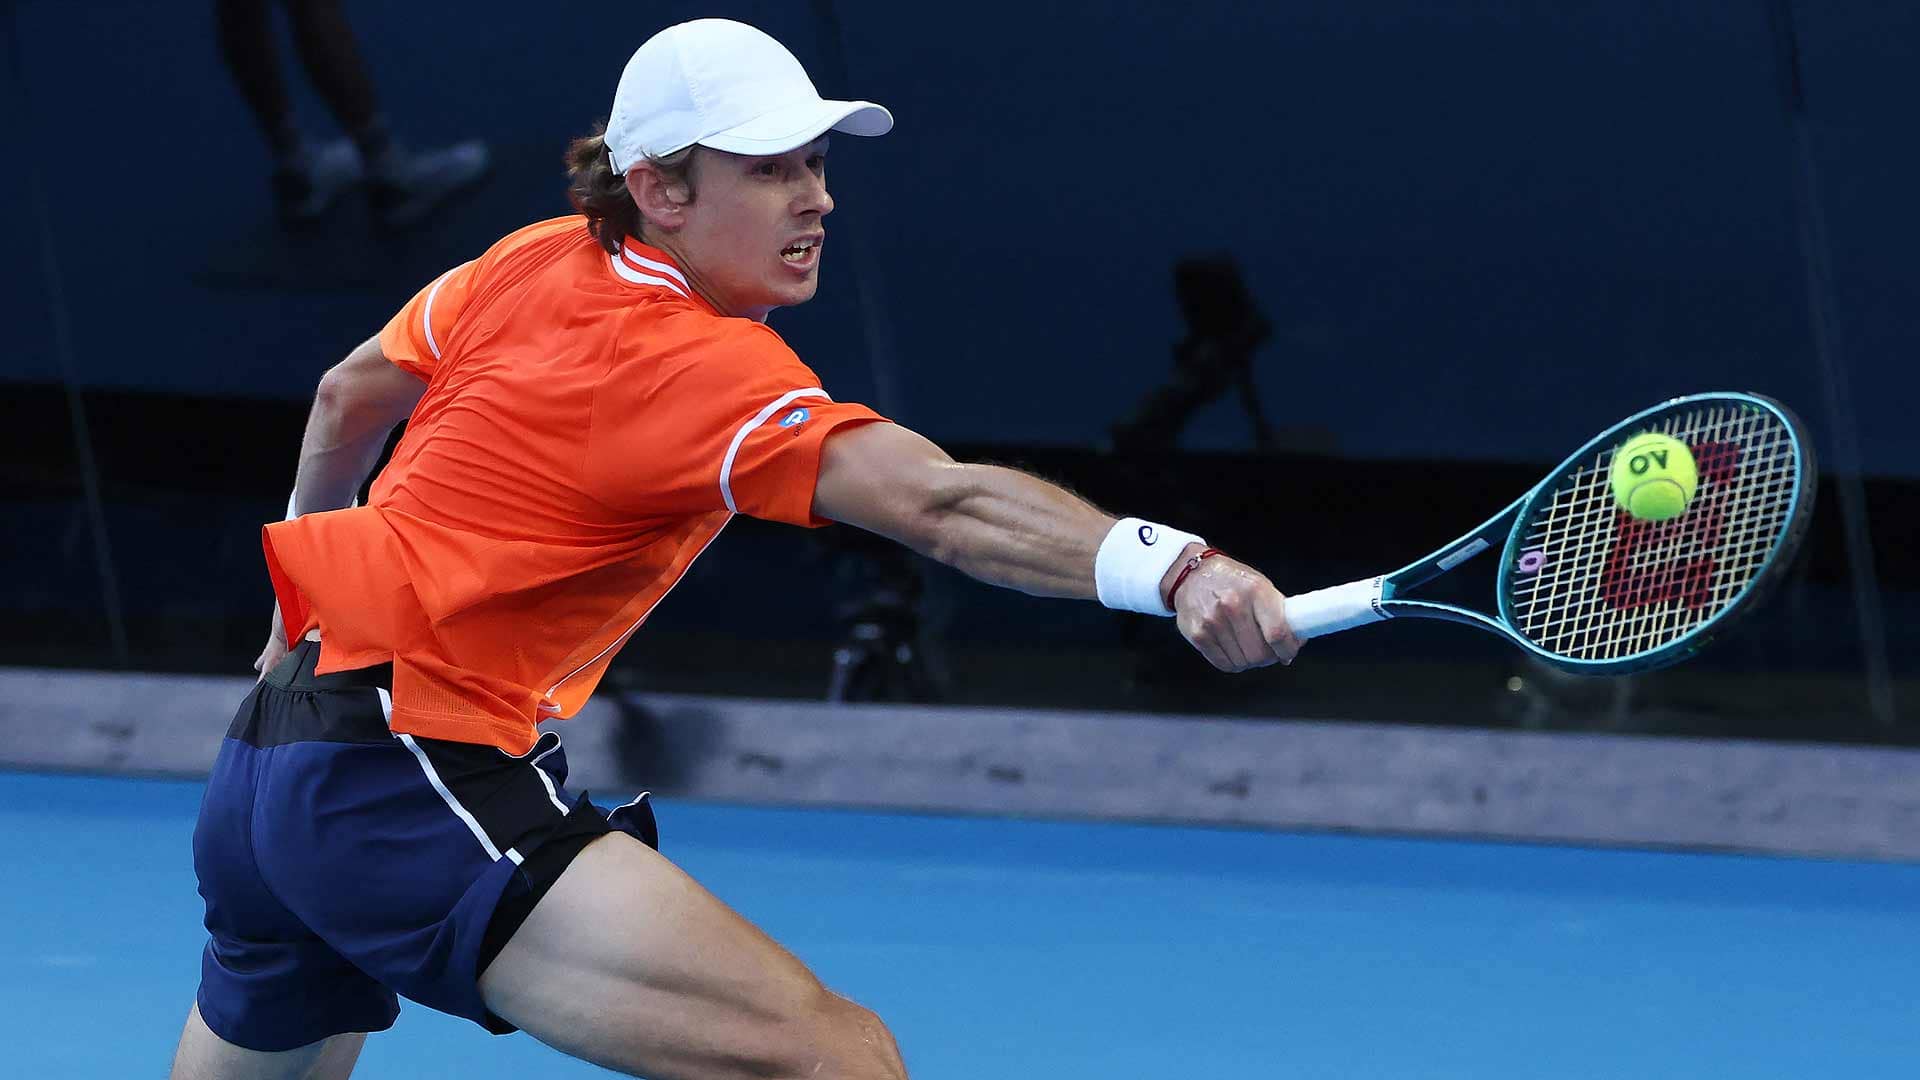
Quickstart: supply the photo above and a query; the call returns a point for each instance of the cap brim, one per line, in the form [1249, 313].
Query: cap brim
[795, 126]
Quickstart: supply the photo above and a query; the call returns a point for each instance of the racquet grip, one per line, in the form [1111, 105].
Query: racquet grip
[1327, 611]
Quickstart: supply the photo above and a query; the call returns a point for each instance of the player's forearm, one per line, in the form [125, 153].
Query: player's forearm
[356, 407]
[1013, 530]
[999, 525]
[345, 433]
[339, 449]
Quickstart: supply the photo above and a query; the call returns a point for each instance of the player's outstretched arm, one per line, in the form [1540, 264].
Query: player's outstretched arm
[1010, 529]
[999, 525]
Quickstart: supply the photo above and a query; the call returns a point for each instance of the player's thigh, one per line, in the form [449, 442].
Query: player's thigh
[631, 964]
[202, 1055]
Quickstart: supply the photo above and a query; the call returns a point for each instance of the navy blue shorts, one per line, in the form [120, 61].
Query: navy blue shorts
[343, 865]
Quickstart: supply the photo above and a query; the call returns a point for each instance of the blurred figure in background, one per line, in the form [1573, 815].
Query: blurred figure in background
[1224, 330]
[308, 176]
[875, 590]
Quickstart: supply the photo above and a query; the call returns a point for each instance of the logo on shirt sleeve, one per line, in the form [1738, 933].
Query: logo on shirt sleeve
[795, 418]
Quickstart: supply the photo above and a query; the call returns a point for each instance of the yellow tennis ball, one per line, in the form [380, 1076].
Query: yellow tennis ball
[1654, 477]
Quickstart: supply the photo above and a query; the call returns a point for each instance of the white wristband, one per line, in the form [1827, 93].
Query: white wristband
[1133, 560]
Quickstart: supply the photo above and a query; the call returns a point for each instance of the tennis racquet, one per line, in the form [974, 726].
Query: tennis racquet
[1587, 587]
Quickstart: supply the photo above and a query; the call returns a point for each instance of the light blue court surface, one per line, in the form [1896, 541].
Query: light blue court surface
[1004, 949]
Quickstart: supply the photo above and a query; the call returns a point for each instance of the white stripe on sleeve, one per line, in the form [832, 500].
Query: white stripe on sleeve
[426, 313]
[726, 466]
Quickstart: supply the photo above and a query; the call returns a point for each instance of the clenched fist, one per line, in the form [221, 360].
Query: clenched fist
[1233, 615]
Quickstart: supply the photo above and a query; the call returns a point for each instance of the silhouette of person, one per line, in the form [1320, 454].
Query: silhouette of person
[309, 176]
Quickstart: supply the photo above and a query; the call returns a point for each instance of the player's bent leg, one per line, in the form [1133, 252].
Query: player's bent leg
[202, 1055]
[629, 963]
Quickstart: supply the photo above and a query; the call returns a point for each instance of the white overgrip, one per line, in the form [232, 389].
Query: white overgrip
[1327, 611]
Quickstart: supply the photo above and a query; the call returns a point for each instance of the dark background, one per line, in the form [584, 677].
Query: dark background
[1480, 233]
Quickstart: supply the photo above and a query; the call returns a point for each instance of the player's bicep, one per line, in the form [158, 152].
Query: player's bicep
[883, 478]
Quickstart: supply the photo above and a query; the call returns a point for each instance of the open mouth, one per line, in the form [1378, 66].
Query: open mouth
[799, 252]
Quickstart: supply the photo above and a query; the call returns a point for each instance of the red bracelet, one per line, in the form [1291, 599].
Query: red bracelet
[1192, 565]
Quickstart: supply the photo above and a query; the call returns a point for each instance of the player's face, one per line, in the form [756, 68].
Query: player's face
[751, 238]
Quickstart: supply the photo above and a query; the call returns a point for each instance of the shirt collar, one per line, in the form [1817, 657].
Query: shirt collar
[649, 267]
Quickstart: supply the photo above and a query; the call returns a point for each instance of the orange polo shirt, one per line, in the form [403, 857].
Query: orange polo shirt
[589, 426]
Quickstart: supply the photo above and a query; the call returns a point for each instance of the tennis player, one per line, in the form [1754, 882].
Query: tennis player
[588, 403]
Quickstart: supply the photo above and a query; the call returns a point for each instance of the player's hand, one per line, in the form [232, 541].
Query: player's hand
[276, 649]
[1234, 616]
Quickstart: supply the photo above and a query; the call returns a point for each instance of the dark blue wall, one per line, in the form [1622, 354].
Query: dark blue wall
[1482, 230]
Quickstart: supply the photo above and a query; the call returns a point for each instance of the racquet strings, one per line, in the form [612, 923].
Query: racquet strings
[1593, 583]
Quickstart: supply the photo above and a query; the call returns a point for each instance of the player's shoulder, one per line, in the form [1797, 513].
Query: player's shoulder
[560, 245]
[561, 232]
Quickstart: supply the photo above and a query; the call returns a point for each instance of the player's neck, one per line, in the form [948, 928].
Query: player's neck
[705, 292]
[700, 286]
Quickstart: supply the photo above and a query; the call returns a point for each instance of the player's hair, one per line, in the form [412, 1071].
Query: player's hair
[600, 193]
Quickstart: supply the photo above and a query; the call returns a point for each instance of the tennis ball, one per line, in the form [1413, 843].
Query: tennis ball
[1654, 477]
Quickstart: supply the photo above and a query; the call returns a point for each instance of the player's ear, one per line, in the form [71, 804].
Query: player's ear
[661, 201]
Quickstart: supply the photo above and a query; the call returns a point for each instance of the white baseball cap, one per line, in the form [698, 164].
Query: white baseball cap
[726, 85]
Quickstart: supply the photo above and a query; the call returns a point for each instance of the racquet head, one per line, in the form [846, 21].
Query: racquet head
[1590, 588]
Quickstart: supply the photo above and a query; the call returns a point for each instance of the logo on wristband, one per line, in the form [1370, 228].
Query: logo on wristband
[1148, 536]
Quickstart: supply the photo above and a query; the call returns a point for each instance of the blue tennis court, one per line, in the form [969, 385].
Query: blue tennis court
[1064, 950]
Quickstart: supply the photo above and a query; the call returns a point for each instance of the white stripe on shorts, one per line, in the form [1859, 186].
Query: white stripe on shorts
[453, 804]
[552, 795]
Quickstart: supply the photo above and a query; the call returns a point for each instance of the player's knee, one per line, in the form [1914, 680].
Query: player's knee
[873, 1053]
[850, 1041]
